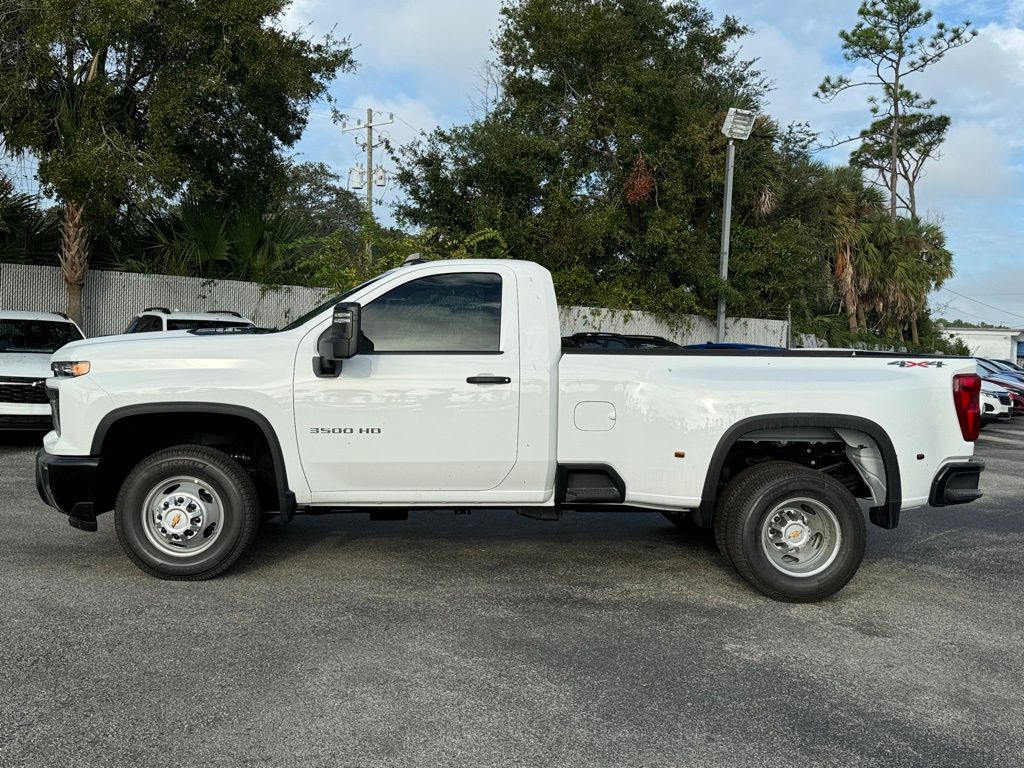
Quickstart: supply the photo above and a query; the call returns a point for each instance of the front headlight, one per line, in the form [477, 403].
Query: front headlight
[70, 368]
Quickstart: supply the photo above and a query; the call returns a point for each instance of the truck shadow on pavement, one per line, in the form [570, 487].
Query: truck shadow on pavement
[490, 537]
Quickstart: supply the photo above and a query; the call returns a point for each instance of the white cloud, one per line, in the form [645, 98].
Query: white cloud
[435, 42]
[975, 165]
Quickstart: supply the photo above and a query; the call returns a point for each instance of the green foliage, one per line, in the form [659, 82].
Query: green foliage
[331, 262]
[314, 194]
[27, 234]
[122, 98]
[203, 239]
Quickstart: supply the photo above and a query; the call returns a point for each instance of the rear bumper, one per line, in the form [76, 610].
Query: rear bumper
[68, 484]
[957, 483]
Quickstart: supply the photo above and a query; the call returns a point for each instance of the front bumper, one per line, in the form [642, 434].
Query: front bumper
[27, 422]
[957, 483]
[68, 484]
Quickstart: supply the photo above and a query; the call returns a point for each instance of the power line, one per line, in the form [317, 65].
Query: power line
[943, 309]
[976, 301]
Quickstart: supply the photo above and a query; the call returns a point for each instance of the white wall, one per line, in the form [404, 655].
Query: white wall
[112, 299]
[998, 345]
[689, 329]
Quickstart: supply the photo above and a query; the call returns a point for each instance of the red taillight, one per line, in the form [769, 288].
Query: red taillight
[966, 395]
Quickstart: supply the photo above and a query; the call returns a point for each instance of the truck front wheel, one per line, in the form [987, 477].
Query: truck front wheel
[793, 533]
[187, 513]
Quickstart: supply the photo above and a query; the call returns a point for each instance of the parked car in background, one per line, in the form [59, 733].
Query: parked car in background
[1013, 384]
[27, 339]
[1000, 367]
[996, 404]
[154, 319]
[607, 340]
[1011, 366]
[990, 369]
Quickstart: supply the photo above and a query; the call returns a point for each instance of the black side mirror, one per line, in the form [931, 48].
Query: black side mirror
[340, 341]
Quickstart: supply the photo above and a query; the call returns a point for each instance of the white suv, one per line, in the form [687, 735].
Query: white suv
[162, 319]
[27, 339]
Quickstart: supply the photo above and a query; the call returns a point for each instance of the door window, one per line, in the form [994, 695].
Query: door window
[458, 312]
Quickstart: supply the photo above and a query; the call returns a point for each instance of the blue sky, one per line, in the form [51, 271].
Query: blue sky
[421, 59]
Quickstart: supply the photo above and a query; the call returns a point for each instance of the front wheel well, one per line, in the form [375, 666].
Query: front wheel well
[125, 440]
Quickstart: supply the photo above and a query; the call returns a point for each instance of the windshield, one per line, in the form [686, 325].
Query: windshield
[36, 336]
[330, 303]
[191, 325]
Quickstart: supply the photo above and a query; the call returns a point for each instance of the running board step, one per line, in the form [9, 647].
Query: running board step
[591, 495]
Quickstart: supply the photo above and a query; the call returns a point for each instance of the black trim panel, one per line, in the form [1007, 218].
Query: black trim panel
[562, 479]
[957, 483]
[68, 484]
[285, 497]
[885, 516]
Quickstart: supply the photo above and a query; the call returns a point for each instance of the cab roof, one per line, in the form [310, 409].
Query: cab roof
[226, 316]
[52, 317]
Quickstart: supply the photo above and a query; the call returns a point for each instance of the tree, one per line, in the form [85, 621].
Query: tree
[204, 238]
[27, 234]
[888, 41]
[312, 193]
[852, 213]
[600, 154]
[920, 138]
[119, 99]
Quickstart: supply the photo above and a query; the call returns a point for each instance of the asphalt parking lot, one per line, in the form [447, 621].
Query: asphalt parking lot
[491, 639]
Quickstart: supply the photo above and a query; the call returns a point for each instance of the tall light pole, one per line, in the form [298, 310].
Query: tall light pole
[737, 126]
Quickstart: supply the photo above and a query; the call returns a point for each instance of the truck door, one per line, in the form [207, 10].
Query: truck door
[433, 408]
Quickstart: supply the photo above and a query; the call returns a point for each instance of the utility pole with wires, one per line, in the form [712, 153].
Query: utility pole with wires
[379, 177]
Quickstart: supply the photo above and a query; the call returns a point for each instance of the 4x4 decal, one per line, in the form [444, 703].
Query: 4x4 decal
[918, 363]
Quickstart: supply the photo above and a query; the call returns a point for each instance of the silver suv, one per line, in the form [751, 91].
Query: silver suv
[162, 319]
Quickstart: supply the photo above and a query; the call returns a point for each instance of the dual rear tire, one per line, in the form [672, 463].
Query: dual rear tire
[795, 534]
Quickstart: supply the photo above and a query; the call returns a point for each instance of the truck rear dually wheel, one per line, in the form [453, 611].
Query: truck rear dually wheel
[795, 534]
[186, 513]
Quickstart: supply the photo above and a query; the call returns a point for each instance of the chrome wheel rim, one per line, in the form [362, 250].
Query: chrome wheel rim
[801, 537]
[182, 516]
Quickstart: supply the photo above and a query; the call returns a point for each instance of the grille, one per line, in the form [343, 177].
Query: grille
[22, 390]
[1004, 398]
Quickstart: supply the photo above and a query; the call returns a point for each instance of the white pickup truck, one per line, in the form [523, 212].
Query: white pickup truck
[444, 384]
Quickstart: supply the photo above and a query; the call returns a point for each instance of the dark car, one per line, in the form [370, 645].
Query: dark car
[729, 345]
[607, 340]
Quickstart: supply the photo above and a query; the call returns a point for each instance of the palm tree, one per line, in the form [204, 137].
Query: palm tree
[199, 237]
[853, 211]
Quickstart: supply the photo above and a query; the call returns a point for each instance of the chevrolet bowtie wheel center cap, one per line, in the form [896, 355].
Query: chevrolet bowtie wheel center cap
[182, 516]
